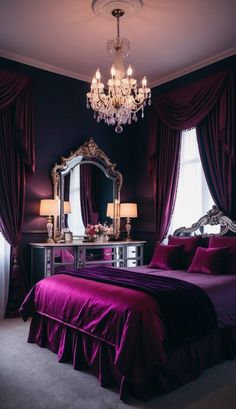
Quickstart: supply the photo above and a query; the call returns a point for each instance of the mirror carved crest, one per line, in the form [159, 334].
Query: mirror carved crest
[91, 152]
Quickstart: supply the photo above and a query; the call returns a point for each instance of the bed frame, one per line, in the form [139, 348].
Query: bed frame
[213, 217]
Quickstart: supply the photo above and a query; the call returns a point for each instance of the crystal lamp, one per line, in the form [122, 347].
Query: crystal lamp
[119, 103]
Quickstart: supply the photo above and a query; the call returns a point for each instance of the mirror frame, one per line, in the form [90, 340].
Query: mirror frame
[89, 152]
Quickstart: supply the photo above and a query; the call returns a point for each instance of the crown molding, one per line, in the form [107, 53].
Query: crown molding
[44, 66]
[67, 73]
[194, 67]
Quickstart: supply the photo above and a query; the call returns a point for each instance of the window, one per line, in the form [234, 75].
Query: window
[193, 197]
[75, 221]
[4, 273]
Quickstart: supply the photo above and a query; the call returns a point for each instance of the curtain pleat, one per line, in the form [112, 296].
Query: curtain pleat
[16, 164]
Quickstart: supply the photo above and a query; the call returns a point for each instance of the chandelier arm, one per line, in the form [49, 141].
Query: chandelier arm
[138, 106]
[101, 96]
[127, 92]
[114, 92]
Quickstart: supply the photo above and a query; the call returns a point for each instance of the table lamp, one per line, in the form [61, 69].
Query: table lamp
[49, 208]
[128, 211]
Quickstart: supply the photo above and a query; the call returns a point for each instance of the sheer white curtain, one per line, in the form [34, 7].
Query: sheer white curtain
[4, 273]
[75, 221]
[193, 197]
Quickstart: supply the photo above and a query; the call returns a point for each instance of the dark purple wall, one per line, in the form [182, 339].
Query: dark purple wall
[62, 123]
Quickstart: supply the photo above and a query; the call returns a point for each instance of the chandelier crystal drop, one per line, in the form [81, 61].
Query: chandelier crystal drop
[119, 104]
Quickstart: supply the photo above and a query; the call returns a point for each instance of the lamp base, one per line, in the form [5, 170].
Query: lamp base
[49, 229]
[128, 239]
[128, 229]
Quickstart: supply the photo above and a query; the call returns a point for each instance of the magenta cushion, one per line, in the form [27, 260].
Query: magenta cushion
[190, 246]
[226, 241]
[167, 257]
[209, 261]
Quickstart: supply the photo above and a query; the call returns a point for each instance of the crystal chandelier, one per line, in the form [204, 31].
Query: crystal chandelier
[123, 99]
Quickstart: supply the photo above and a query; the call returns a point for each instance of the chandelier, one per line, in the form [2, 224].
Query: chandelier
[119, 104]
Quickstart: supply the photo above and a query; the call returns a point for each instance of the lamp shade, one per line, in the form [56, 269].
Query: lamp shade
[113, 209]
[128, 210]
[110, 210]
[48, 207]
[67, 207]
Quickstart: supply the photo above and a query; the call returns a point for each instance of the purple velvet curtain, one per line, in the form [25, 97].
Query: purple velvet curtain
[216, 141]
[87, 194]
[185, 108]
[163, 164]
[16, 164]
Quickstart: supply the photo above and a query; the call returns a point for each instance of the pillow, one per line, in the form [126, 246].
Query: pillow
[226, 241]
[190, 246]
[209, 261]
[167, 257]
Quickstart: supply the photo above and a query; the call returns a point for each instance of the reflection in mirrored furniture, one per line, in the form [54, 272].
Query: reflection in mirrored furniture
[88, 180]
[44, 260]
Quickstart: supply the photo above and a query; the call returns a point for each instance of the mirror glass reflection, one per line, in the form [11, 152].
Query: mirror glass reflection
[89, 181]
[88, 190]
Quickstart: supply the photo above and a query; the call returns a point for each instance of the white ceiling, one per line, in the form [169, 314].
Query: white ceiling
[168, 37]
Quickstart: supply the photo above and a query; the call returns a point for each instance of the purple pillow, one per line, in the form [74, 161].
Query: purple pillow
[209, 261]
[167, 257]
[226, 241]
[190, 246]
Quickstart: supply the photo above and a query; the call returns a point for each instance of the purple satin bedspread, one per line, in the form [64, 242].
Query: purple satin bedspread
[185, 308]
[127, 319]
[133, 328]
[221, 289]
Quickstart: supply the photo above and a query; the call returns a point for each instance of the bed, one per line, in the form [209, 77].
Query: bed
[144, 330]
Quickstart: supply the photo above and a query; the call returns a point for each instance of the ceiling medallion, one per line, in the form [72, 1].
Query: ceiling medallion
[104, 8]
[120, 103]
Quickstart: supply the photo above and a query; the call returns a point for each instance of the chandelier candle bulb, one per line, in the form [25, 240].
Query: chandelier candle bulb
[144, 82]
[98, 75]
[113, 72]
[129, 71]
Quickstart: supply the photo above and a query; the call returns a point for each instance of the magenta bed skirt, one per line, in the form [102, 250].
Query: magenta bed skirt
[85, 352]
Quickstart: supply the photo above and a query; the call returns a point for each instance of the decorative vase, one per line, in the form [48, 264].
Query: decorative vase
[99, 238]
[91, 237]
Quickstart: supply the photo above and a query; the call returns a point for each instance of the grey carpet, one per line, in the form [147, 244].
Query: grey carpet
[31, 378]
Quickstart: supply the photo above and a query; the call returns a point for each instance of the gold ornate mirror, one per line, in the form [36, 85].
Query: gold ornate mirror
[89, 181]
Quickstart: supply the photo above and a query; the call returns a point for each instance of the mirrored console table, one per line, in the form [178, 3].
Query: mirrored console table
[47, 258]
